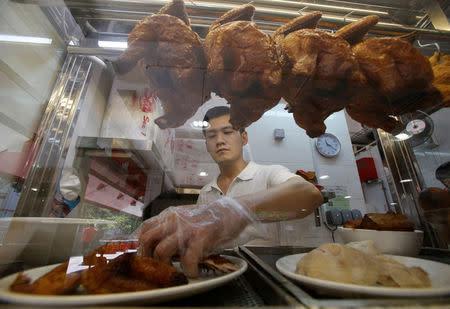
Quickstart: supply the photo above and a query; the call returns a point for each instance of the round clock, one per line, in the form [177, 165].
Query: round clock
[328, 145]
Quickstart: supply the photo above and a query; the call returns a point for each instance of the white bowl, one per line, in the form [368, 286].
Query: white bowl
[388, 242]
[38, 241]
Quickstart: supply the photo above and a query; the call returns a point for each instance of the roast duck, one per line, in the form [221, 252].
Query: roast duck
[316, 72]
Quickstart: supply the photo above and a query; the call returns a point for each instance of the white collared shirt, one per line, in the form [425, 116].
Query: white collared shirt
[253, 178]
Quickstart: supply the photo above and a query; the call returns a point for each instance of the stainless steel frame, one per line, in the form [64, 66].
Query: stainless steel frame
[407, 182]
[54, 136]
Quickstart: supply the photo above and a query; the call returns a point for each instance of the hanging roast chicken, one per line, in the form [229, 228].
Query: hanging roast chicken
[441, 68]
[172, 56]
[399, 80]
[242, 66]
[320, 72]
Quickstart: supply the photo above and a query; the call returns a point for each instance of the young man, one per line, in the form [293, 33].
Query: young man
[243, 193]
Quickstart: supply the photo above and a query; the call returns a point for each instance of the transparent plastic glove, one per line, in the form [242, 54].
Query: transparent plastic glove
[193, 232]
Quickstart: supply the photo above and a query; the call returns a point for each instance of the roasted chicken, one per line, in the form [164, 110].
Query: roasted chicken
[242, 66]
[171, 54]
[319, 70]
[399, 80]
[441, 70]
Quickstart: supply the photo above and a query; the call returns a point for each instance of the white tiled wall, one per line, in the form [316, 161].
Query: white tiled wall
[297, 151]
[429, 158]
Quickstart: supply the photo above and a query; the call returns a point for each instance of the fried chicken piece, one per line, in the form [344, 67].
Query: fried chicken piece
[353, 224]
[399, 81]
[386, 222]
[441, 69]
[162, 274]
[218, 263]
[319, 70]
[114, 277]
[172, 56]
[243, 67]
[22, 284]
[55, 282]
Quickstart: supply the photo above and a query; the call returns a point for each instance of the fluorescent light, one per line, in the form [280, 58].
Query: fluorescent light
[324, 177]
[198, 124]
[113, 44]
[348, 196]
[402, 136]
[406, 180]
[203, 174]
[24, 39]
[34, 189]
[393, 204]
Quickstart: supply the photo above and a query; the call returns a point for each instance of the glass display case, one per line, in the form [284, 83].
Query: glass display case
[93, 143]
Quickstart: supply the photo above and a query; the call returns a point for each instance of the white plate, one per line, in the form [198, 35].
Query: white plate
[439, 274]
[204, 283]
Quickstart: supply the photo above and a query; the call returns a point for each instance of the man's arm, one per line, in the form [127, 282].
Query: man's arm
[294, 199]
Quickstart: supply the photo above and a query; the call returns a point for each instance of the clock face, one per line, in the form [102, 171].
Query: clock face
[328, 145]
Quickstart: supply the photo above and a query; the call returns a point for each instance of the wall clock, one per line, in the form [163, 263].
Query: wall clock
[328, 145]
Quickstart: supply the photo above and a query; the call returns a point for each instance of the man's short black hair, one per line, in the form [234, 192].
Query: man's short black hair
[216, 112]
[443, 172]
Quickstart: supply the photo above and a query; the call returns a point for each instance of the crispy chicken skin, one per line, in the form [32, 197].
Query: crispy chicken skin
[323, 75]
[399, 81]
[130, 272]
[244, 12]
[319, 69]
[55, 282]
[243, 68]
[172, 56]
[355, 32]
[441, 69]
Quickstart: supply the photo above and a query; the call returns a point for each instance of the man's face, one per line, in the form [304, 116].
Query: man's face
[224, 143]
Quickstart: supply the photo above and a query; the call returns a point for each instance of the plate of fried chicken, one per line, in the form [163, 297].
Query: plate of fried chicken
[115, 278]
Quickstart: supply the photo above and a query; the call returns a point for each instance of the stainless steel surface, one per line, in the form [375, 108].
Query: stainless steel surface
[437, 16]
[269, 14]
[54, 136]
[61, 18]
[402, 164]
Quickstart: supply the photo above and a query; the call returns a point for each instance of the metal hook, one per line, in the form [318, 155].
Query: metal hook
[348, 14]
[193, 2]
[430, 44]
[301, 10]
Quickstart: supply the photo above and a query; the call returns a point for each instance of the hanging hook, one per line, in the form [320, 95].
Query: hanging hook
[348, 14]
[301, 10]
[430, 44]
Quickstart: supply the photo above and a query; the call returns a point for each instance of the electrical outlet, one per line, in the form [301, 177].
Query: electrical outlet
[334, 217]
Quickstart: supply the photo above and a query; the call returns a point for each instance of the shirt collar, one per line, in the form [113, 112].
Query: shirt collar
[246, 174]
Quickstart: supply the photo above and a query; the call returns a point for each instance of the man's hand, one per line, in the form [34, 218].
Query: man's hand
[192, 231]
